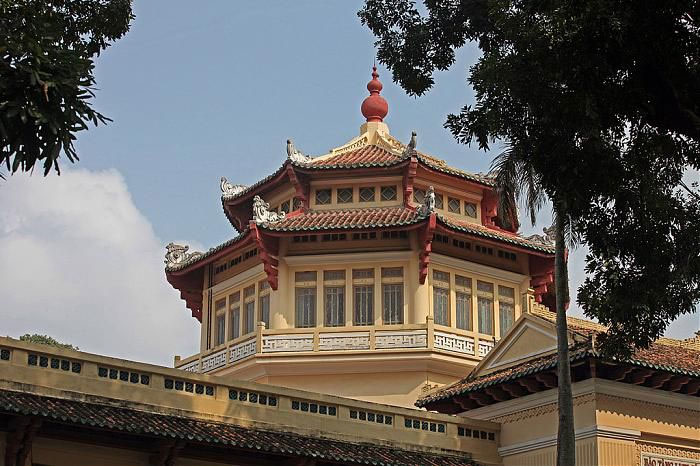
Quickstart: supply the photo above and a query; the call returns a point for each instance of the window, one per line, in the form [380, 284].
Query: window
[249, 307]
[441, 300]
[285, 207]
[470, 209]
[305, 299]
[506, 308]
[392, 295]
[418, 196]
[463, 286]
[265, 303]
[220, 321]
[234, 301]
[454, 205]
[344, 195]
[363, 292]
[323, 196]
[334, 300]
[438, 201]
[484, 292]
[367, 194]
[297, 203]
[389, 193]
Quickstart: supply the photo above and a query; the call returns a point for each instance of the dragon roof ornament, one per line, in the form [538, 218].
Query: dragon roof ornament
[229, 190]
[546, 239]
[262, 213]
[428, 205]
[411, 146]
[294, 155]
[176, 255]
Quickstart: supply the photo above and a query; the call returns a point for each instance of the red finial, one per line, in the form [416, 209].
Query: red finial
[374, 107]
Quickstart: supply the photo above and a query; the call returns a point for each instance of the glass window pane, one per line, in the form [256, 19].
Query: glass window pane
[220, 329]
[305, 276]
[249, 317]
[441, 307]
[465, 282]
[220, 304]
[392, 272]
[249, 291]
[367, 194]
[234, 298]
[485, 315]
[393, 303]
[285, 207]
[338, 275]
[388, 193]
[438, 201]
[485, 287]
[235, 320]
[297, 204]
[335, 306]
[305, 307]
[323, 196]
[364, 305]
[506, 314]
[441, 276]
[464, 311]
[362, 273]
[344, 195]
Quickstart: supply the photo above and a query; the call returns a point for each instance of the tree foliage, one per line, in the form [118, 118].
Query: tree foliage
[603, 96]
[46, 340]
[47, 48]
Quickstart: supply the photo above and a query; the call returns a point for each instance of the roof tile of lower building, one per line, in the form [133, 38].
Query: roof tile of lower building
[362, 218]
[481, 231]
[661, 355]
[147, 423]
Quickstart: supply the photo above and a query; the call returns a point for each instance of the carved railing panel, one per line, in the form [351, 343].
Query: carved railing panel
[485, 347]
[454, 343]
[213, 361]
[401, 339]
[192, 367]
[242, 350]
[288, 343]
[344, 341]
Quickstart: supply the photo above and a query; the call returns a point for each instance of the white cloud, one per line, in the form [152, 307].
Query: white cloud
[79, 262]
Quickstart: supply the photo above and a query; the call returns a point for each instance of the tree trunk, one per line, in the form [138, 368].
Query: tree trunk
[566, 443]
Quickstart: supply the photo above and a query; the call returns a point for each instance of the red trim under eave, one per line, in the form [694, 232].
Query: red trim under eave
[425, 243]
[268, 250]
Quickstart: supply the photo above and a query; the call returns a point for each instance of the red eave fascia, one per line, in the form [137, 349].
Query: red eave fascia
[478, 185]
[247, 241]
[495, 242]
[354, 171]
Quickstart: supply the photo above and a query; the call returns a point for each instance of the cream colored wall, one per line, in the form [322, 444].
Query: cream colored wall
[586, 454]
[401, 389]
[376, 182]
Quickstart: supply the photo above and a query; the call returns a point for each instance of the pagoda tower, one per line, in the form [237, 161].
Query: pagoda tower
[375, 271]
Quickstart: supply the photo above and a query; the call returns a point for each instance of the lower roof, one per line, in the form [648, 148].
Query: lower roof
[103, 414]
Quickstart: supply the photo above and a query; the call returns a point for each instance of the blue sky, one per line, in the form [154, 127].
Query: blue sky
[198, 90]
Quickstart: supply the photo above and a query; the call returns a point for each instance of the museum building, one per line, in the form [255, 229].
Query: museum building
[373, 308]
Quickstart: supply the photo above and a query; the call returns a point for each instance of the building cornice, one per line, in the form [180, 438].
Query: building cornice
[343, 258]
[487, 271]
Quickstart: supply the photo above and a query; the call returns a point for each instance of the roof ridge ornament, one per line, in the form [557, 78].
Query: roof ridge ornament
[262, 213]
[428, 205]
[176, 255]
[411, 146]
[546, 239]
[294, 155]
[228, 189]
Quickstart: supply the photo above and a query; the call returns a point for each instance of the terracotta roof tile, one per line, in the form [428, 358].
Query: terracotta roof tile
[675, 356]
[347, 219]
[366, 156]
[104, 414]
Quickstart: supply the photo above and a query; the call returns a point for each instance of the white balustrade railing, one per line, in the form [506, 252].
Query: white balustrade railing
[454, 343]
[213, 361]
[485, 347]
[343, 341]
[242, 350]
[288, 343]
[401, 339]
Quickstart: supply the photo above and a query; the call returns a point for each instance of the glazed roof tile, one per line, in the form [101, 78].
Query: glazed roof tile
[481, 231]
[370, 155]
[360, 218]
[104, 414]
[209, 252]
[674, 356]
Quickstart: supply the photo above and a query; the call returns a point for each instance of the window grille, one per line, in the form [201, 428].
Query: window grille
[249, 291]
[338, 275]
[388, 193]
[418, 196]
[335, 306]
[470, 209]
[235, 320]
[249, 317]
[220, 304]
[454, 205]
[305, 307]
[441, 307]
[220, 329]
[363, 273]
[265, 310]
[367, 194]
[485, 307]
[344, 195]
[506, 308]
[297, 203]
[393, 303]
[305, 276]
[364, 305]
[441, 276]
[323, 196]
[438, 201]
[285, 207]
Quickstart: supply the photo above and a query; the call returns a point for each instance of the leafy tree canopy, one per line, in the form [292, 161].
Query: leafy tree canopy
[602, 96]
[46, 340]
[47, 49]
